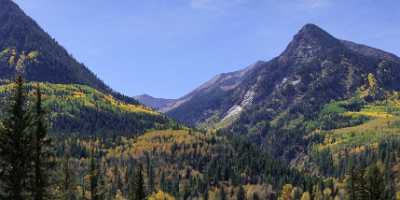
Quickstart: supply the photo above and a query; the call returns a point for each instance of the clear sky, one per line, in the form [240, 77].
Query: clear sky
[166, 48]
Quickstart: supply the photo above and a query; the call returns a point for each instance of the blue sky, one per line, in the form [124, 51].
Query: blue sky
[166, 48]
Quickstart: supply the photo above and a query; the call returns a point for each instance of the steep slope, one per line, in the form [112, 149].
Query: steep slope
[17, 30]
[153, 102]
[82, 110]
[210, 102]
[315, 69]
[80, 102]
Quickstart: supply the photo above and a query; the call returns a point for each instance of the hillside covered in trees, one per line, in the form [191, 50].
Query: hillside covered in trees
[79, 102]
[321, 121]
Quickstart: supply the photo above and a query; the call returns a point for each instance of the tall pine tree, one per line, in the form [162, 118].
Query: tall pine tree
[94, 175]
[241, 195]
[15, 146]
[43, 158]
[139, 188]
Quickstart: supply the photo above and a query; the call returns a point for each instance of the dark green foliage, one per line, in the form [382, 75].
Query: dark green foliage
[150, 174]
[356, 184]
[16, 147]
[94, 173]
[256, 197]
[139, 188]
[43, 157]
[26, 154]
[109, 124]
[366, 184]
[74, 115]
[67, 176]
[222, 194]
[241, 195]
[236, 162]
[375, 184]
[331, 116]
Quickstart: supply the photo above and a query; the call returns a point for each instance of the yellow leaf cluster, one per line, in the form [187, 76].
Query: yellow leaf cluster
[160, 195]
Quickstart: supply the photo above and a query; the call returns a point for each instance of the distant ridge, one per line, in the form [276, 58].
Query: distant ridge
[153, 102]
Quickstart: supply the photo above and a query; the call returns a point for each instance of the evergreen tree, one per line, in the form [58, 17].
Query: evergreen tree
[355, 184]
[43, 159]
[163, 182]
[83, 187]
[16, 146]
[241, 195]
[131, 182]
[222, 194]
[101, 191]
[139, 188]
[67, 176]
[205, 195]
[256, 197]
[375, 184]
[150, 174]
[94, 176]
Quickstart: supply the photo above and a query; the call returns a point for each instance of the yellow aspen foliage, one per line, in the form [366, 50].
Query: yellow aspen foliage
[318, 194]
[119, 196]
[18, 59]
[327, 193]
[286, 193]
[374, 91]
[397, 195]
[306, 196]
[372, 82]
[160, 195]
[337, 197]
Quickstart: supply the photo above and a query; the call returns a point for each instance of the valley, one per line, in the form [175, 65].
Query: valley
[319, 121]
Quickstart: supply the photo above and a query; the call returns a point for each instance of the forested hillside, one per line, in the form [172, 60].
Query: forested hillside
[82, 110]
[184, 164]
[80, 102]
[321, 121]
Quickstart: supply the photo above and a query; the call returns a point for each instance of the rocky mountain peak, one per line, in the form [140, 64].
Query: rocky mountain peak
[310, 42]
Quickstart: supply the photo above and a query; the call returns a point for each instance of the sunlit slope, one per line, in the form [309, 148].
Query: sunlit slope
[375, 122]
[168, 141]
[84, 110]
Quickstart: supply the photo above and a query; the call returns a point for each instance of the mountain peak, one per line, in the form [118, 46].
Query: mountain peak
[311, 41]
[312, 32]
[311, 28]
